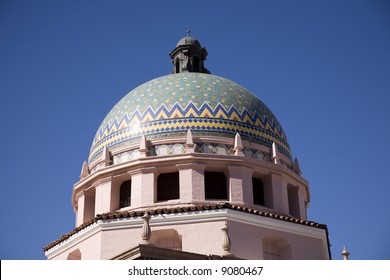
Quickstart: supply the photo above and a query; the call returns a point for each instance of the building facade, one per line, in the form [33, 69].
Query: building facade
[191, 166]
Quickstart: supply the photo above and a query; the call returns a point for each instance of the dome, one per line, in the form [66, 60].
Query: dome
[168, 106]
[189, 41]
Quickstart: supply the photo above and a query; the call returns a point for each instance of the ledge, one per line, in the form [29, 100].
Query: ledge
[179, 209]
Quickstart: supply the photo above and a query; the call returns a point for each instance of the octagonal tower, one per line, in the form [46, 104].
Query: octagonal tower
[191, 165]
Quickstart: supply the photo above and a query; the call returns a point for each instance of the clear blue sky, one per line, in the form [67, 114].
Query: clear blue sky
[322, 67]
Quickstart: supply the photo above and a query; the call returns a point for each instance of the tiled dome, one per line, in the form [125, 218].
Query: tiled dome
[208, 105]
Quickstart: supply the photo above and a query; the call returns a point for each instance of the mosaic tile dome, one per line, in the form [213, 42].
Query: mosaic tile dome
[208, 105]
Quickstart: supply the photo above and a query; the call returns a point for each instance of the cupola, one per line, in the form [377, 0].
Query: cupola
[189, 56]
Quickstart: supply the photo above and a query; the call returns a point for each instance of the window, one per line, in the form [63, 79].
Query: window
[293, 201]
[125, 194]
[168, 186]
[258, 191]
[89, 205]
[215, 184]
[195, 64]
[177, 65]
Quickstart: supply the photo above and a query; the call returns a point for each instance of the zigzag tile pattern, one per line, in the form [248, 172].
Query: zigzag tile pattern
[170, 105]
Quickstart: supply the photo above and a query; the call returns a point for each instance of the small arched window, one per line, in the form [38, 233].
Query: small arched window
[258, 191]
[125, 194]
[215, 185]
[168, 186]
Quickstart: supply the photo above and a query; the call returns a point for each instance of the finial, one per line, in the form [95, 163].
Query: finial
[345, 253]
[296, 167]
[190, 146]
[238, 147]
[84, 170]
[143, 147]
[274, 153]
[226, 241]
[188, 32]
[146, 232]
[106, 156]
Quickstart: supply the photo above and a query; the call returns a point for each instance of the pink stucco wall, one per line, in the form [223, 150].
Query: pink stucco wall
[201, 232]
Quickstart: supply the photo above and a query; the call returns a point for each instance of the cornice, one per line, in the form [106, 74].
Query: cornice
[180, 218]
[133, 167]
[190, 214]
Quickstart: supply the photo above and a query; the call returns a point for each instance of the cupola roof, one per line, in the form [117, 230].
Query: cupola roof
[189, 41]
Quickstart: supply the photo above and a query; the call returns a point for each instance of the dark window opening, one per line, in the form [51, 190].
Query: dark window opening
[196, 65]
[177, 66]
[258, 191]
[125, 194]
[293, 201]
[215, 184]
[168, 186]
[89, 206]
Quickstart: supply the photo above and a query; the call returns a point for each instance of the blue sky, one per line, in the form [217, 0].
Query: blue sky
[322, 67]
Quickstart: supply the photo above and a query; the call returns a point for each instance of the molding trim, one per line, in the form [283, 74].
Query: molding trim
[214, 215]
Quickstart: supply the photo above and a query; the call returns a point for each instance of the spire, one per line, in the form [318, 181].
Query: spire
[345, 253]
[188, 56]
